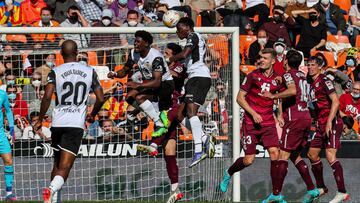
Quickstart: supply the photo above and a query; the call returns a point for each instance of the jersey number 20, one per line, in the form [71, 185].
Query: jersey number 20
[75, 92]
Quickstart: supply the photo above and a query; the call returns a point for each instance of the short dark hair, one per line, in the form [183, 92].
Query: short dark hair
[175, 48]
[348, 121]
[269, 51]
[10, 87]
[294, 59]
[73, 8]
[146, 36]
[46, 9]
[34, 113]
[132, 12]
[324, 63]
[187, 21]
[316, 59]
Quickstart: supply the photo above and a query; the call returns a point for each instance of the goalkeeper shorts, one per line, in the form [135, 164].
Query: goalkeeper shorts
[5, 147]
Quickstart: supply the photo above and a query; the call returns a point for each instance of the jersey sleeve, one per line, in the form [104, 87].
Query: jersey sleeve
[247, 83]
[95, 83]
[51, 79]
[158, 65]
[9, 114]
[328, 86]
[192, 41]
[288, 79]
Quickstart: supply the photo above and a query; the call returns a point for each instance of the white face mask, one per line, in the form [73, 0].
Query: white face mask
[36, 83]
[355, 96]
[262, 41]
[106, 22]
[12, 104]
[301, 1]
[279, 49]
[325, 2]
[132, 23]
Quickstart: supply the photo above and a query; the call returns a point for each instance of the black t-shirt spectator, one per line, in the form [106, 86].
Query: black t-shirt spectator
[310, 36]
[255, 49]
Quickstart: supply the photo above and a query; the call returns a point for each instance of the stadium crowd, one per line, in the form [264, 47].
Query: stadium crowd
[327, 29]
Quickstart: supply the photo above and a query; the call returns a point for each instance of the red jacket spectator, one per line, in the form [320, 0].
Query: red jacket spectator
[31, 10]
[21, 107]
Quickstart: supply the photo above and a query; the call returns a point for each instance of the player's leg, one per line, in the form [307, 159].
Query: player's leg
[5, 151]
[56, 197]
[317, 169]
[172, 169]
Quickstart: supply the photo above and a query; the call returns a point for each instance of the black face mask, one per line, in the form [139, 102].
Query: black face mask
[313, 18]
[160, 15]
[221, 94]
[73, 19]
[277, 19]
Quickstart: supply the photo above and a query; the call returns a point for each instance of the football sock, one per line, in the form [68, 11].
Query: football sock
[185, 122]
[338, 175]
[196, 132]
[172, 168]
[305, 174]
[57, 183]
[273, 174]
[238, 165]
[317, 169]
[282, 170]
[9, 178]
[150, 111]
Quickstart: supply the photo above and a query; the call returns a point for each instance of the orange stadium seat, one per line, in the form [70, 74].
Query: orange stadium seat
[122, 80]
[328, 55]
[219, 43]
[245, 42]
[297, 38]
[16, 38]
[92, 58]
[198, 21]
[247, 68]
[338, 38]
[58, 59]
[357, 43]
[343, 4]
[341, 59]
[107, 84]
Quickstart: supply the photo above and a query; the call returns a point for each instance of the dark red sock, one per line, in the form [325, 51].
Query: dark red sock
[339, 176]
[172, 168]
[238, 165]
[281, 170]
[317, 169]
[274, 177]
[305, 174]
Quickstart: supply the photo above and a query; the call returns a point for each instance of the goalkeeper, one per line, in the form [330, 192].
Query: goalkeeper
[5, 149]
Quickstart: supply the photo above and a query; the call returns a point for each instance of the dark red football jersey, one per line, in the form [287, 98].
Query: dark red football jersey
[348, 106]
[254, 84]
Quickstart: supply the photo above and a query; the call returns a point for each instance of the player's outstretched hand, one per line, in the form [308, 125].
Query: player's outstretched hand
[111, 74]
[132, 85]
[328, 128]
[257, 118]
[37, 126]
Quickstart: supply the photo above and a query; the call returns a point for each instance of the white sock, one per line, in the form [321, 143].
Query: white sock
[8, 193]
[57, 183]
[154, 145]
[185, 122]
[196, 132]
[150, 111]
[174, 186]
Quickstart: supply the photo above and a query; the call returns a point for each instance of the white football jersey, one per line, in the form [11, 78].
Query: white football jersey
[154, 61]
[73, 82]
[195, 65]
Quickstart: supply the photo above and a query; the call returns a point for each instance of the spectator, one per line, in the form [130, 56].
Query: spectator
[204, 8]
[342, 82]
[104, 40]
[348, 132]
[46, 40]
[232, 16]
[11, 13]
[48, 65]
[91, 9]
[355, 22]
[276, 28]
[19, 106]
[261, 43]
[120, 9]
[95, 128]
[350, 104]
[115, 103]
[82, 57]
[34, 105]
[132, 20]
[76, 19]
[9, 80]
[351, 68]
[20, 124]
[296, 29]
[60, 7]
[330, 14]
[313, 33]
[31, 91]
[28, 133]
[31, 10]
[11, 61]
[280, 48]
[257, 7]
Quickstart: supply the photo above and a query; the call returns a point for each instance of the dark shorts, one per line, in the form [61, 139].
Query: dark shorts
[265, 135]
[67, 139]
[321, 140]
[163, 94]
[196, 89]
[295, 135]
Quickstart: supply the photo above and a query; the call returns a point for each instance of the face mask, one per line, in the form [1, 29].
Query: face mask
[118, 94]
[122, 2]
[350, 63]
[325, 2]
[12, 104]
[313, 18]
[277, 19]
[301, 1]
[10, 82]
[355, 96]
[50, 64]
[132, 23]
[12, 96]
[262, 41]
[106, 22]
[141, 7]
[221, 94]
[73, 19]
[279, 49]
[160, 15]
[46, 19]
[36, 83]
[83, 63]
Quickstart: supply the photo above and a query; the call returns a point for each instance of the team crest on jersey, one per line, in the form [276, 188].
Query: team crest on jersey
[317, 84]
